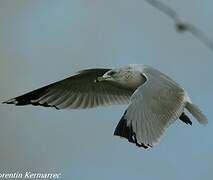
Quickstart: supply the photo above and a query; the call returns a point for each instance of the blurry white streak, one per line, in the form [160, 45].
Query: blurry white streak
[180, 24]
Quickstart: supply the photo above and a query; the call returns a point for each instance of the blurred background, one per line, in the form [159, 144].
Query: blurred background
[45, 41]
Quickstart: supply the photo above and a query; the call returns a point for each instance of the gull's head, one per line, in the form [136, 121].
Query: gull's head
[127, 77]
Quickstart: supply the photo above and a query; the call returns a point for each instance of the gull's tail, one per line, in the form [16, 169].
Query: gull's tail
[196, 112]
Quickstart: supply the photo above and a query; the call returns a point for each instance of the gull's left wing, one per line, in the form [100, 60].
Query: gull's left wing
[78, 91]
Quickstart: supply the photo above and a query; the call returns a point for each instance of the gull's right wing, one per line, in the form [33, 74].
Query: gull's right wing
[153, 107]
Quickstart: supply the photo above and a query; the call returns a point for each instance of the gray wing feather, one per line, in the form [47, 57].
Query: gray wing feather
[78, 91]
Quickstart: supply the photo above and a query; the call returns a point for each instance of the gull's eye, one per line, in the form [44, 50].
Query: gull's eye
[111, 73]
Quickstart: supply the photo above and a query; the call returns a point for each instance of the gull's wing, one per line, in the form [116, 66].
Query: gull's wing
[78, 91]
[180, 24]
[153, 107]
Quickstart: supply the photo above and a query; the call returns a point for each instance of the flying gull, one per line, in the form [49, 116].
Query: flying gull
[180, 24]
[154, 100]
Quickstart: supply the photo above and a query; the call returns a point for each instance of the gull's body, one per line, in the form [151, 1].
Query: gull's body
[154, 100]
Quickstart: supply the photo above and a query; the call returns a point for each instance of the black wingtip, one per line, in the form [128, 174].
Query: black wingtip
[185, 119]
[27, 98]
[10, 101]
[18, 103]
[127, 132]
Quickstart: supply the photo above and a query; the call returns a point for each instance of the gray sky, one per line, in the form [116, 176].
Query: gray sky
[45, 41]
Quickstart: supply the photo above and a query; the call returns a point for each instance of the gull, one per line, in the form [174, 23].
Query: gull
[182, 25]
[154, 100]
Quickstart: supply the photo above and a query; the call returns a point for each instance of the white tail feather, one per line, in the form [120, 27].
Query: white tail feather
[196, 112]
